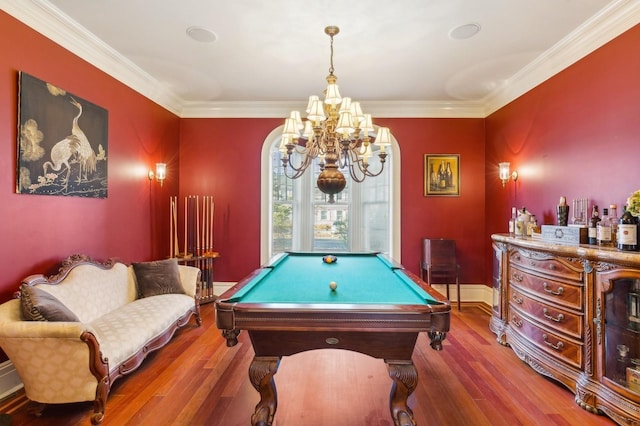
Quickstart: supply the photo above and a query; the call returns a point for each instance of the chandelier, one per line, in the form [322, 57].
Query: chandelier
[337, 133]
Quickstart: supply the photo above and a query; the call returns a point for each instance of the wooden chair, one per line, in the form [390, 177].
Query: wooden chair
[440, 264]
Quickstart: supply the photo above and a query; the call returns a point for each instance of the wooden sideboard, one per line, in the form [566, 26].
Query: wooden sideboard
[572, 312]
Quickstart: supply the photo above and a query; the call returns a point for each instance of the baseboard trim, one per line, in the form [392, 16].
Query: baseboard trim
[476, 293]
[10, 381]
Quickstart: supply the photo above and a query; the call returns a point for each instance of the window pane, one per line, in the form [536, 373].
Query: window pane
[282, 220]
[376, 220]
[331, 233]
[282, 185]
[282, 211]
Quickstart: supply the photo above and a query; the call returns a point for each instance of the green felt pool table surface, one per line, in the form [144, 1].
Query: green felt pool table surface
[361, 279]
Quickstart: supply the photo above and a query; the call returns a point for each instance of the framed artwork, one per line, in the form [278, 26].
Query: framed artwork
[442, 174]
[62, 142]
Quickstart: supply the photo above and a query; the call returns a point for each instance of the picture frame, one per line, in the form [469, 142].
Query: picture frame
[442, 175]
[62, 142]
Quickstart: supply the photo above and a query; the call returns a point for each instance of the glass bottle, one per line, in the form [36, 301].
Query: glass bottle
[512, 222]
[622, 362]
[603, 230]
[593, 226]
[532, 226]
[627, 231]
[613, 220]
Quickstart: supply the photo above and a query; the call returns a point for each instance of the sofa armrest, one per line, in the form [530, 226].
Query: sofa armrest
[189, 275]
[35, 347]
[12, 325]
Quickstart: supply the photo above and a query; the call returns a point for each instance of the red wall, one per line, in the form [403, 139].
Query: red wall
[458, 218]
[221, 157]
[37, 231]
[576, 135]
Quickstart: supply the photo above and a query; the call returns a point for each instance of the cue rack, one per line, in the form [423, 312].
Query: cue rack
[197, 238]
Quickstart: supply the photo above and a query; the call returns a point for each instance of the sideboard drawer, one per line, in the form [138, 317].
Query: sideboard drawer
[559, 319]
[558, 292]
[547, 264]
[558, 347]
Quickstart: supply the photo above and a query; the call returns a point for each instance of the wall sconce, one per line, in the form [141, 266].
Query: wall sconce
[160, 173]
[504, 173]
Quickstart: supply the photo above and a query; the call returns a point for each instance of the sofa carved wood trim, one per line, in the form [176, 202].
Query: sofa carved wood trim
[98, 362]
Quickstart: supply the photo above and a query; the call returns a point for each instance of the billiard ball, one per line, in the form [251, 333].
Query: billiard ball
[328, 260]
[333, 285]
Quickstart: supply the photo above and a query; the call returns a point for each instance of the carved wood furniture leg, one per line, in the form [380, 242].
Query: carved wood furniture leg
[99, 367]
[261, 373]
[405, 380]
[231, 336]
[36, 408]
[437, 337]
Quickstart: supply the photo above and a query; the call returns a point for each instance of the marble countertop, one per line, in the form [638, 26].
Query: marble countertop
[586, 251]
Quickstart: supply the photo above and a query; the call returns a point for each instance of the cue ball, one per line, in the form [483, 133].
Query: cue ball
[333, 285]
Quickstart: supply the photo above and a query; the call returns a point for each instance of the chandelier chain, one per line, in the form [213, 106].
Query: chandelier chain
[331, 60]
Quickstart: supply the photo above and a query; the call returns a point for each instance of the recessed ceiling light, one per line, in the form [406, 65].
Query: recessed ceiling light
[464, 31]
[201, 34]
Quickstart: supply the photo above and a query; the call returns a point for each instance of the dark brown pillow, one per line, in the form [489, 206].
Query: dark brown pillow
[158, 277]
[39, 305]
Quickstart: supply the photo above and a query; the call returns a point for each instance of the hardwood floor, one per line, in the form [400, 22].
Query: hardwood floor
[197, 380]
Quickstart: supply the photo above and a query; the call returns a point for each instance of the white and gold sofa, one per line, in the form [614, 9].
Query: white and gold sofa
[71, 335]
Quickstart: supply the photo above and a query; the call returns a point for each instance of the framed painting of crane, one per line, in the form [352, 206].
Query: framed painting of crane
[62, 142]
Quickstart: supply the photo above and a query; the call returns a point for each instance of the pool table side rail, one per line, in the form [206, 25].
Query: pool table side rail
[232, 315]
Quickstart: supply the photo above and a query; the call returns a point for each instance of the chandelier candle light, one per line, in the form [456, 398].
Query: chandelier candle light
[337, 133]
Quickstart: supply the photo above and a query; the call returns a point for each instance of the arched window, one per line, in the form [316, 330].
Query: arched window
[297, 216]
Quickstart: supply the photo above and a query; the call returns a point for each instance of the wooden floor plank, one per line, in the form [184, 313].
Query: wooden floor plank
[196, 380]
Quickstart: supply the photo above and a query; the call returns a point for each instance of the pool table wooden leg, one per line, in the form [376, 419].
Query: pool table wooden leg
[405, 380]
[261, 373]
[436, 338]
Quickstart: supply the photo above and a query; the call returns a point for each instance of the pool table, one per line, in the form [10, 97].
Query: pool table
[378, 308]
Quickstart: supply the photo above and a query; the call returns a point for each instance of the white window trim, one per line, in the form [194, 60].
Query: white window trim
[266, 197]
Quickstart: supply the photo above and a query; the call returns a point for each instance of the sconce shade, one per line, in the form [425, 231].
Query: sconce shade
[160, 173]
[504, 172]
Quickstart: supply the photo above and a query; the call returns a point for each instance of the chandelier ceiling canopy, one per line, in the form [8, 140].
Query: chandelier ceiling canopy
[337, 133]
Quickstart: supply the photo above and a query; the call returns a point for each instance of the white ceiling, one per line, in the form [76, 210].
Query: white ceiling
[396, 57]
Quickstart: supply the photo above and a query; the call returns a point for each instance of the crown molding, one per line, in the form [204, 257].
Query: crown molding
[48, 20]
[52, 23]
[603, 27]
[377, 109]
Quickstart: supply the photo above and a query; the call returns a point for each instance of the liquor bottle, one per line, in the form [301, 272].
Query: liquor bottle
[512, 222]
[604, 230]
[613, 220]
[593, 226]
[627, 231]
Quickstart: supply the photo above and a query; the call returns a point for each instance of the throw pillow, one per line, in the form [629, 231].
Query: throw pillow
[39, 305]
[158, 277]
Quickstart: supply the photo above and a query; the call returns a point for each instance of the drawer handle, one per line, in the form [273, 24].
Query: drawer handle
[517, 277]
[555, 293]
[559, 318]
[516, 321]
[557, 347]
[517, 299]
[552, 267]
